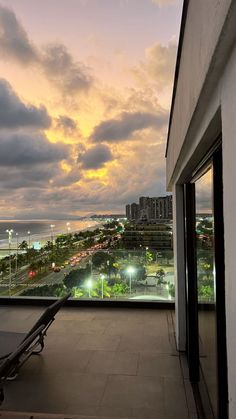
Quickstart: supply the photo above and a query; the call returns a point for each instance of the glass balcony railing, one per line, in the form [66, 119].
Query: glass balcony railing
[87, 272]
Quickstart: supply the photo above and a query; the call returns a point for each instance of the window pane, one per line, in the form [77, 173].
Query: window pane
[206, 283]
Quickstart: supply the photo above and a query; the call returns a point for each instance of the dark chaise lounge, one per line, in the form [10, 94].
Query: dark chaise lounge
[9, 341]
[10, 366]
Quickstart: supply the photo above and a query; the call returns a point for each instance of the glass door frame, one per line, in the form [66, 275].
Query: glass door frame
[213, 158]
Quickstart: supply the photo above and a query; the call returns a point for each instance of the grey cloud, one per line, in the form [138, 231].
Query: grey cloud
[66, 179]
[20, 149]
[15, 114]
[122, 128]
[159, 64]
[66, 123]
[55, 59]
[14, 41]
[95, 157]
[25, 177]
[63, 71]
[39, 177]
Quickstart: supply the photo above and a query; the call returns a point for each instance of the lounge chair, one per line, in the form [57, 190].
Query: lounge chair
[9, 341]
[10, 366]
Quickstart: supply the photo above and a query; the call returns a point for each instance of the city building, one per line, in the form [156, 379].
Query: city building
[127, 211]
[151, 210]
[201, 174]
[154, 236]
[134, 211]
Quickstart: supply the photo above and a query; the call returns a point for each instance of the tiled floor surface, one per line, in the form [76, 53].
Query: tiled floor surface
[98, 362]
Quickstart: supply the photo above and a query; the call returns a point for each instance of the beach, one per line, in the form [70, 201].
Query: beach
[39, 231]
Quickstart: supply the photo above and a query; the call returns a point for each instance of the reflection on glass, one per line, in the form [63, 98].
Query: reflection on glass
[206, 283]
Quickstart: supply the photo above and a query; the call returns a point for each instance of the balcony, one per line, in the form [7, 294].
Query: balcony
[100, 362]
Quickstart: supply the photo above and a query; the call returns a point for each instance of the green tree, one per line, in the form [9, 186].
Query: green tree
[3, 268]
[76, 277]
[77, 292]
[119, 289]
[23, 245]
[149, 257]
[102, 285]
[55, 290]
[172, 290]
[206, 292]
[48, 246]
[160, 274]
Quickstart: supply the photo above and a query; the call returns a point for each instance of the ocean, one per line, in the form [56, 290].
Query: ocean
[40, 230]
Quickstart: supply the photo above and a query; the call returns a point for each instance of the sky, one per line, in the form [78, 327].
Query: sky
[85, 93]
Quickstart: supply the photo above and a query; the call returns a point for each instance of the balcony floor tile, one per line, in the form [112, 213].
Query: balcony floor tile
[100, 362]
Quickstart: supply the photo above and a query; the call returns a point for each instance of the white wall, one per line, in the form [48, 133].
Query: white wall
[225, 97]
[191, 135]
[204, 23]
[228, 103]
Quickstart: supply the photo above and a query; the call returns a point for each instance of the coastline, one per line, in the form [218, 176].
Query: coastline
[44, 237]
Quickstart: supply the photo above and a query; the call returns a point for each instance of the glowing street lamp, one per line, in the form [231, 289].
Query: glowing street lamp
[68, 227]
[102, 278]
[130, 271]
[17, 244]
[9, 232]
[52, 227]
[89, 286]
[29, 239]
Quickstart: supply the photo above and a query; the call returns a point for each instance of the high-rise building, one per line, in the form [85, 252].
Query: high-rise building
[127, 211]
[154, 236]
[151, 209]
[134, 211]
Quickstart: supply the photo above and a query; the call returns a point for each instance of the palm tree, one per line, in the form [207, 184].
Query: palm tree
[23, 245]
[3, 269]
[39, 264]
[48, 246]
[102, 287]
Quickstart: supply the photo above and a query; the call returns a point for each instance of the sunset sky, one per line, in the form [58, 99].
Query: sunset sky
[85, 91]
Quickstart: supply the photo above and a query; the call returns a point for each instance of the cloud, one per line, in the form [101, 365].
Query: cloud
[67, 179]
[126, 124]
[63, 71]
[159, 64]
[20, 149]
[25, 177]
[15, 114]
[95, 157]
[14, 41]
[66, 123]
[54, 59]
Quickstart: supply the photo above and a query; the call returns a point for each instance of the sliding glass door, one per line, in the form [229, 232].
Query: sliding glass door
[205, 285]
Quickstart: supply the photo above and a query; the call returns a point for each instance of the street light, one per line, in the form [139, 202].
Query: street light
[9, 244]
[146, 254]
[68, 227]
[130, 271]
[108, 269]
[52, 227]
[102, 278]
[29, 239]
[89, 286]
[17, 243]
